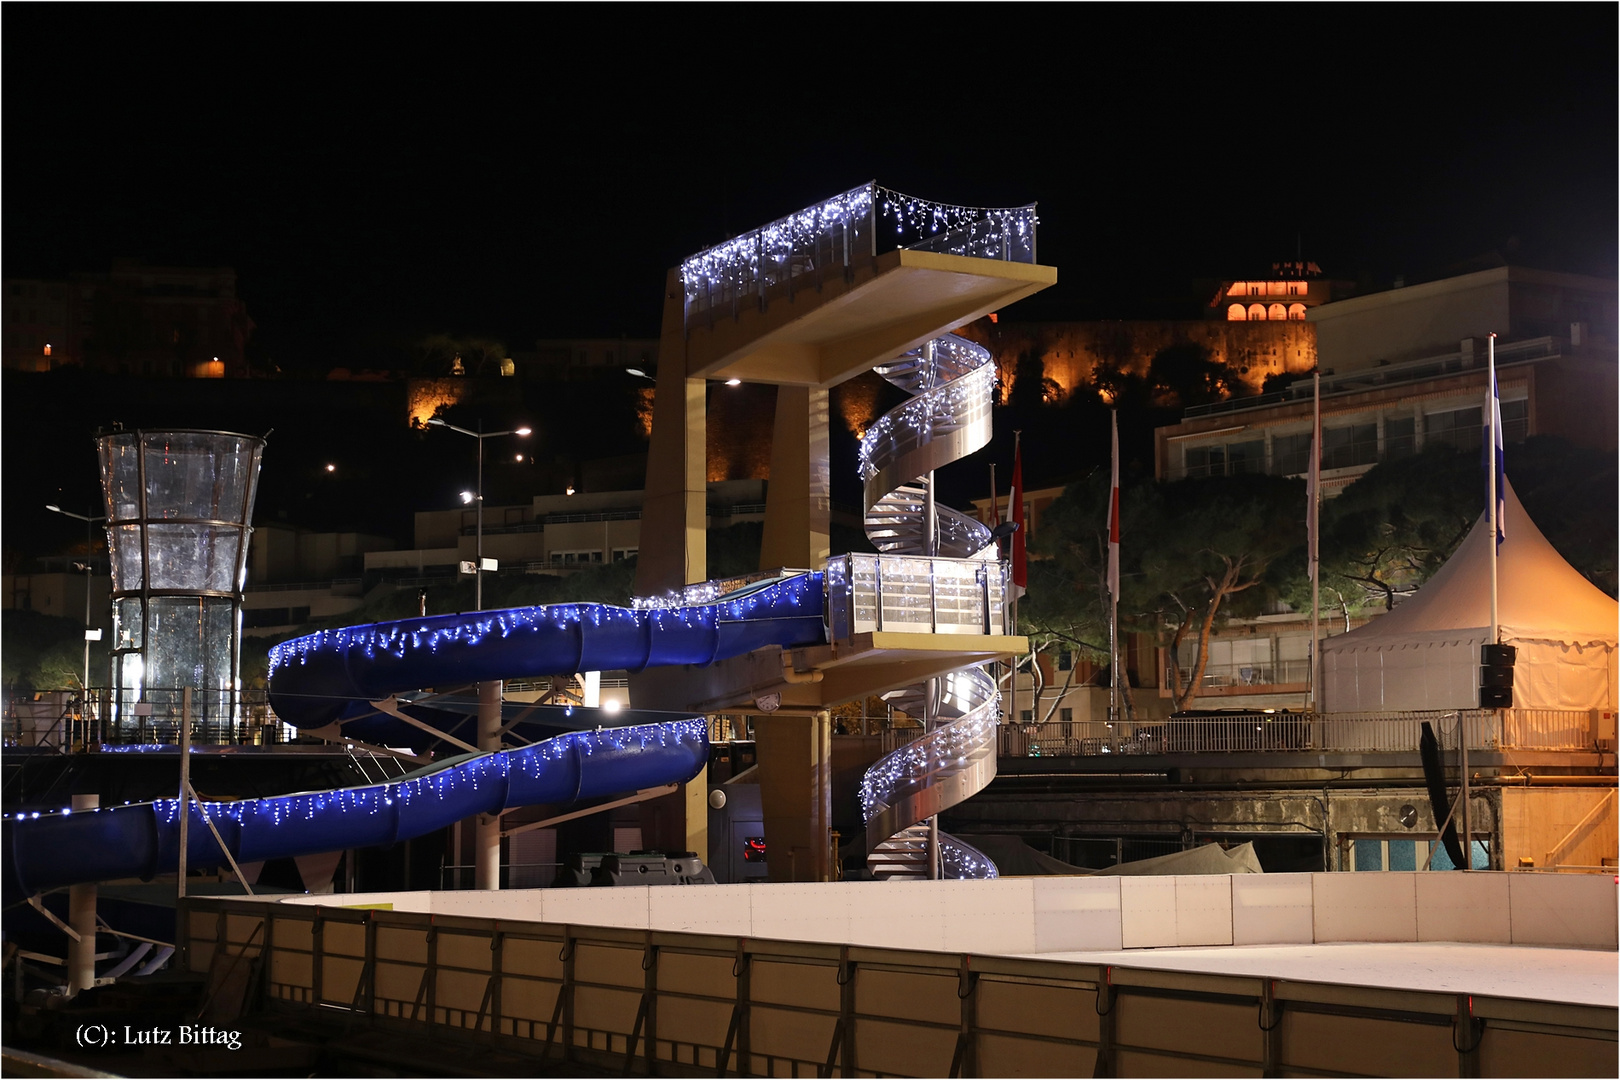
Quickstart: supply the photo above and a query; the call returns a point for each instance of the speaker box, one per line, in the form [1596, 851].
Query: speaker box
[1496, 697]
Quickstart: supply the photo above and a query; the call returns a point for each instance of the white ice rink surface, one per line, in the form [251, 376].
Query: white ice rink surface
[1571, 976]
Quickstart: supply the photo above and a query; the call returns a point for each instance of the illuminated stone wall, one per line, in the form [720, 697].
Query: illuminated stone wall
[1072, 351]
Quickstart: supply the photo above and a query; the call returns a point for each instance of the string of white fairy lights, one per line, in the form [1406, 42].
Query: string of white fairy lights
[841, 221]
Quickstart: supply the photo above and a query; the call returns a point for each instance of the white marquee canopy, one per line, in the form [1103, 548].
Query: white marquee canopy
[1425, 654]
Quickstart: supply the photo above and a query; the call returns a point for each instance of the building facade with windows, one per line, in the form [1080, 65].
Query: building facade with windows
[1401, 370]
[132, 320]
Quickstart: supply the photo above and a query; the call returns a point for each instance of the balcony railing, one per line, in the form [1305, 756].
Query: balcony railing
[805, 248]
[1350, 382]
[913, 594]
[1364, 732]
[68, 721]
[1257, 674]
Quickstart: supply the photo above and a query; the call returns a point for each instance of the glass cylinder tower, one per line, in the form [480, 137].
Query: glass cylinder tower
[179, 505]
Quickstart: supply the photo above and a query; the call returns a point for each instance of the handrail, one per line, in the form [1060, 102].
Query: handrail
[1350, 382]
[1568, 730]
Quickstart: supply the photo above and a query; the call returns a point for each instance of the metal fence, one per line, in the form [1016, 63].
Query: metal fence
[66, 720]
[1357, 732]
[1254, 673]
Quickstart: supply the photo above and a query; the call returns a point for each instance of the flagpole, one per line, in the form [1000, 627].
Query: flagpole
[1313, 513]
[1113, 586]
[1491, 452]
[1015, 513]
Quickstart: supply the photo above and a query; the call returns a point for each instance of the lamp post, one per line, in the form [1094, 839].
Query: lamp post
[486, 827]
[89, 571]
[478, 500]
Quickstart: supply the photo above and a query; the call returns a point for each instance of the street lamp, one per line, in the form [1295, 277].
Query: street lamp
[89, 571]
[476, 498]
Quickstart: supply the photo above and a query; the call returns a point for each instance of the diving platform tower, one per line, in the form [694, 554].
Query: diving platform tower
[869, 279]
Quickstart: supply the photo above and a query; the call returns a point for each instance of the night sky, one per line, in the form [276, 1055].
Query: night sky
[377, 173]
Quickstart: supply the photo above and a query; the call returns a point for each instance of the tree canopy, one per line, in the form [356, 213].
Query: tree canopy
[1193, 553]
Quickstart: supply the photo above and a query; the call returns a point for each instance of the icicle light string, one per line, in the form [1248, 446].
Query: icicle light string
[769, 252]
[529, 762]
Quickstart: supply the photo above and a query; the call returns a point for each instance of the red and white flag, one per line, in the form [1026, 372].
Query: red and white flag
[1015, 514]
[1113, 519]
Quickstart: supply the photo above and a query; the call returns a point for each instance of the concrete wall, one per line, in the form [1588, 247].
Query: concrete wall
[1535, 821]
[1433, 318]
[1072, 351]
[1073, 914]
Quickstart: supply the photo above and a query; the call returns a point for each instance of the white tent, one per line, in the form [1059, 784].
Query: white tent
[1425, 654]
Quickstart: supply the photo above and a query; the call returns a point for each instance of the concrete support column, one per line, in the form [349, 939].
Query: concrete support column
[795, 784]
[82, 917]
[798, 501]
[674, 514]
[679, 821]
[487, 837]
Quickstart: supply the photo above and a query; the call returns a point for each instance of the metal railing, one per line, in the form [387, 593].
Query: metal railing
[1349, 382]
[68, 721]
[833, 236]
[307, 586]
[1257, 673]
[1350, 732]
[913, 594]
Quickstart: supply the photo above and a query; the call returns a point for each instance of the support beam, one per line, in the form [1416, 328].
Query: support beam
[82, 916]
[798, 501]
[674, 511]
[795, 783]
[487, 835]
[391, 707]
[640, 796]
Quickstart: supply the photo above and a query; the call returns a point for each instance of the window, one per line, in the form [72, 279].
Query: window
[621, 554]
[1458, 427]
[1399, 437]
[1370, 853]
[1237, 313]
[1348, 446]
[1277, 313]
[1025, 716]
[1515, 420]
[1065, 661]
[1229, 459]
[1257, 313]
[1277, 288]
[1291, 454]
[1296, 312]
[1299, 288]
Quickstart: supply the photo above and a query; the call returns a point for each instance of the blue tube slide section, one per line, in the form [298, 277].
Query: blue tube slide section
[333, 676]
[143, 839]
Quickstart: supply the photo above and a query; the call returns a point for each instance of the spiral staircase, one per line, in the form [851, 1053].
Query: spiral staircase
[952, 385]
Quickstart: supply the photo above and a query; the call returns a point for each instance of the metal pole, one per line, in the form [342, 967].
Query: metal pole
[478, 526]
[185, 786]
[487, 832]
[82, 917]
[1315, 512]
[89, 570]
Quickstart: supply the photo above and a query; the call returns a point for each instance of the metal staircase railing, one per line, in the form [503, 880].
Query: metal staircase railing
[952, 383]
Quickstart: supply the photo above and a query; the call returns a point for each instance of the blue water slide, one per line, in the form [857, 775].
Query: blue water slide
[141, 840]
[333, 676]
